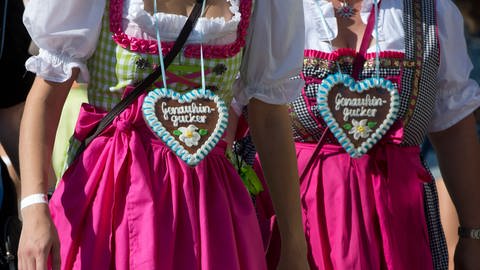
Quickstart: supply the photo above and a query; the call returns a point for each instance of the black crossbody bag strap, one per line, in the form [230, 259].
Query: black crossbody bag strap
[149, 80]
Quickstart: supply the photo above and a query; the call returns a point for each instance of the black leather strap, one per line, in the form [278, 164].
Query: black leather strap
[149, 80]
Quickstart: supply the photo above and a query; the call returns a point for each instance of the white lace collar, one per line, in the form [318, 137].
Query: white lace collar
[141, 23]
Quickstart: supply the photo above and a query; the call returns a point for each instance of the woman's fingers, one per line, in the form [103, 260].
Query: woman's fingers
[26, 263]
[41, 261]
[38, 240]
[56, 255]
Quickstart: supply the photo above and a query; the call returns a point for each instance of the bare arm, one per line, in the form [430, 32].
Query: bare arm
[272, 135]
[37, 135]
[458, 151]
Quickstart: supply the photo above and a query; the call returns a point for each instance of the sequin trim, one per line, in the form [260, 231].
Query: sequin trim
[417, 63]
[322, 60]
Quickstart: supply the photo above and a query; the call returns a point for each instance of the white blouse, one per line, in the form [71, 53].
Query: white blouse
[67, 32]
[458, 96]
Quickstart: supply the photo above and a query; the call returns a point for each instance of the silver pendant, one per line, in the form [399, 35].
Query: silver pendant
[345, 11]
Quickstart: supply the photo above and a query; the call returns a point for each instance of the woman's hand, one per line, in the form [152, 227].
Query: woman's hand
[467, 254]
[39, 240]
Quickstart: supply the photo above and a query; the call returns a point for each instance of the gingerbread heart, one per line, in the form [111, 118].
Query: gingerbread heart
[357, 113]
[190, 124]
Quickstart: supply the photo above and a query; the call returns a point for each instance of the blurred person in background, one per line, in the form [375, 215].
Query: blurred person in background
[14, 45]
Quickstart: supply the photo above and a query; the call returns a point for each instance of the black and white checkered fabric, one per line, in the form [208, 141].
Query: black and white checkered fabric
[414, 132]
[438, 244]
[245, 149]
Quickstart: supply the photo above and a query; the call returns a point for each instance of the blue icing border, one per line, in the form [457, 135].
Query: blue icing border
[322, 100]
[148, 110]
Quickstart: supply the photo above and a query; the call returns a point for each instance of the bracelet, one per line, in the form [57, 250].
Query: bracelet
[469, 233]
[33, 199]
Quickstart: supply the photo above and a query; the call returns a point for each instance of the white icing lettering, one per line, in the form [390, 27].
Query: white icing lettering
[191, 113]
[358, 112]
[367, 101]
[187, 118]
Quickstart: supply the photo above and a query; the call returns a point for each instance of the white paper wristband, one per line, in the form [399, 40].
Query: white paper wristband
[33, 199]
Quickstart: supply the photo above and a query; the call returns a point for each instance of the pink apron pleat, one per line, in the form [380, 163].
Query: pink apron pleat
[129, 202]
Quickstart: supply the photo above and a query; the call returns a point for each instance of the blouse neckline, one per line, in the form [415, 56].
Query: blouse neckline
[327, 10]
[150, 46]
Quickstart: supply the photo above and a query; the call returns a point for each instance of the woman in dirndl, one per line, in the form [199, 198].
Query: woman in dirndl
[379, 76]
[156, 190]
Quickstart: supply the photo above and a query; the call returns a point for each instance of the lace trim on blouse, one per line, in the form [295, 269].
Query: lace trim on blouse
[240, 12]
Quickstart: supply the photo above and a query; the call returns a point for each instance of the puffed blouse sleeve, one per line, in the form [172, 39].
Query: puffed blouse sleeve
[66, 32]
[458, 95]
[273, 53]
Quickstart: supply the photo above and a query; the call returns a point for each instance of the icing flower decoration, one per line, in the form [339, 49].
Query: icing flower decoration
[189, 135]
[360, 129]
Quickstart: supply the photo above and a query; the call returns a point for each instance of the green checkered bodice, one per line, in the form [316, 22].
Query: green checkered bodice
[112, 68]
